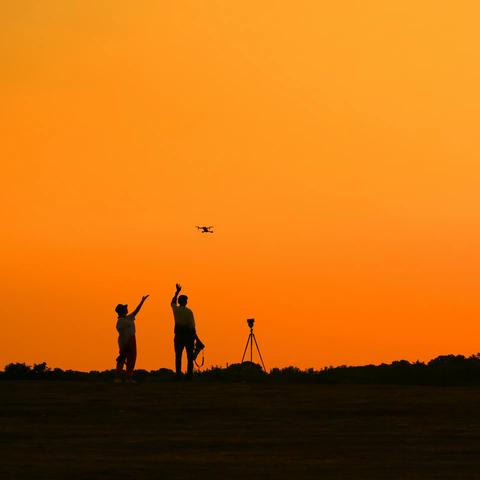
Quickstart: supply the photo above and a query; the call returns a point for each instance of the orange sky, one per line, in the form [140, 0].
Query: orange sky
[334, 145]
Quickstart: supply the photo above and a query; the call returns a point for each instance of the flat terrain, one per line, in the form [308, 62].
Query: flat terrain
[63, 430]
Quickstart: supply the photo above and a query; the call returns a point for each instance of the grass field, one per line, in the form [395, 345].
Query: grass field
[73, 430]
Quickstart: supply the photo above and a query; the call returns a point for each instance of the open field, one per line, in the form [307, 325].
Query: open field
[73, 430]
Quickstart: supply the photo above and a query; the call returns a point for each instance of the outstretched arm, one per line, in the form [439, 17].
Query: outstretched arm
[139, 305]
[177, 291]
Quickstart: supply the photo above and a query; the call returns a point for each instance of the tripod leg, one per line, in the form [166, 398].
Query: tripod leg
[251, 347]
[260, 355]
[246, 347]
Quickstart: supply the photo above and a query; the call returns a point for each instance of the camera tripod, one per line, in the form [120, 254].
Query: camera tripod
[251, 339]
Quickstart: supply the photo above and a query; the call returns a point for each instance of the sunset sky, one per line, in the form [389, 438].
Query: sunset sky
[334, 146]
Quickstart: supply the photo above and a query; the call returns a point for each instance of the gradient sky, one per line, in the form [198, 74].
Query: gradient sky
[334, 146]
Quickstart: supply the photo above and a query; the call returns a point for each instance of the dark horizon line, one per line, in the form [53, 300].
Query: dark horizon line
[437, 359]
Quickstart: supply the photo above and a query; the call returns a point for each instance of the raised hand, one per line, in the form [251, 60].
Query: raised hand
[139, 306]
[179, 287]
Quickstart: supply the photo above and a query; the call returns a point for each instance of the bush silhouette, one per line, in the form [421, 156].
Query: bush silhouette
[442, 370]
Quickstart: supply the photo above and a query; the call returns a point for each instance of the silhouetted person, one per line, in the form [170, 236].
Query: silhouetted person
[185, 333]
[126, 340]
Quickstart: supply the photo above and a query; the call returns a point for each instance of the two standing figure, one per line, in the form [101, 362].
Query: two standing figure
[185, 337]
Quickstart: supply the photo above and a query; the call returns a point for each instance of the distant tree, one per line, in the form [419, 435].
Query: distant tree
[17, 371]
[446, 360]
[39, 369]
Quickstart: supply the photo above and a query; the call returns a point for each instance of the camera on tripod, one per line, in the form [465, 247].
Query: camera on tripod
[250, 343]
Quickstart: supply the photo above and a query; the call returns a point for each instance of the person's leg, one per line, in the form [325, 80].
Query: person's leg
[189, 346]
[131, 356]
[178, 344]
[120, 362]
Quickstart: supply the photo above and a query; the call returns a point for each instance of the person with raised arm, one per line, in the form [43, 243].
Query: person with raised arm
[126, 340]
[185, 334]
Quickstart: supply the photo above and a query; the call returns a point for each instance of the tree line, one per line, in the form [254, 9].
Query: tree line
[442, 370]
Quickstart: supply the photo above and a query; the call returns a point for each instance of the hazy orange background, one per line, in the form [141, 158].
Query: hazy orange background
[334, 145]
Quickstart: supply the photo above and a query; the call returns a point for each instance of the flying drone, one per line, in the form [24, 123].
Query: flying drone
[205, 229]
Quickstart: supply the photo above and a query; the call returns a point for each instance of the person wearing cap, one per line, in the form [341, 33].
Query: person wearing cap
[126, 340]
[185, 333]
